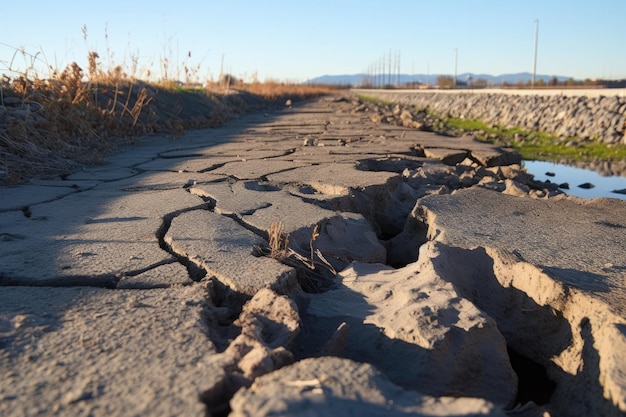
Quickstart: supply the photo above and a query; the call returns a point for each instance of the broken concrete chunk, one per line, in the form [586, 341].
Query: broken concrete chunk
[414, 327]
[269, 325]
[343, 238]
[447, 156]
[515, 188]
[341, 387]
[545, 271]
[560, 228]
[254, 169]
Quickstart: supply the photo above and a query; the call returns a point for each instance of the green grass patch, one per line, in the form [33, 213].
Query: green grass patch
[469, 124]
[539, 145]
[371, 99]
[547, 149]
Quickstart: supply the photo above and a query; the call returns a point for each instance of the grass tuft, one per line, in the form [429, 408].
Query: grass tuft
[314, 271]
[278, 241]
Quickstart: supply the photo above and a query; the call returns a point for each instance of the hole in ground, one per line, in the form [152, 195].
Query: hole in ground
[260, 186]
[534, 384]
[226, 307]
[392, 164]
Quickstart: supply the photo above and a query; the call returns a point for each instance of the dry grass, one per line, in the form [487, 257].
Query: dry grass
[314, 271]
[52, 125]
[278, 241]
[271, 90]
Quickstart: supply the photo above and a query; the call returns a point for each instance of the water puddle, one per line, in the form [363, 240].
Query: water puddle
[602, 186]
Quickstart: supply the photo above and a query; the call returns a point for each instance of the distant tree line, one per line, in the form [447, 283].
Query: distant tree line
[446, 81]
[570, 82]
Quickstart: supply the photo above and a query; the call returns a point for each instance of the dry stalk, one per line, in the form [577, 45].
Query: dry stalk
[312, 270]
[278, 241]
[142, 101]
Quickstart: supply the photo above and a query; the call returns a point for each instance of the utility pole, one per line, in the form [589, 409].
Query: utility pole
[221, 70]
[456, 62]
[535, 55]
[398, 82]
[389, 73]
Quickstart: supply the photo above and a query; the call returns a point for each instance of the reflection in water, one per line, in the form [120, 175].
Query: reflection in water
[603, 186]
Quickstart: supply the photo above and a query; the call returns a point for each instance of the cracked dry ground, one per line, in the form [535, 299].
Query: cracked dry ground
[464, 288]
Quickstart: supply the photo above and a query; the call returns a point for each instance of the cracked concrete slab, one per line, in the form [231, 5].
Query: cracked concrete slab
[99, 352]
[549, 271]
[448, 156]
[102, 174]
[329, 154]
[236, 197]
[577, 242]
[224, 249]
[90, 237]
[23, 196]
[185, 164]
[197, 164]
[255, 169]
[170, 227]
[336, 179]
[156, 181]
[484, 153]
[343, 236]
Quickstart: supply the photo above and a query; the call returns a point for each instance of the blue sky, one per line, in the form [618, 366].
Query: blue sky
[295, 40]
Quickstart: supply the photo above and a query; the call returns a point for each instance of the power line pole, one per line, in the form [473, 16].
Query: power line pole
[398, 81]
[456, 62]
[389, 73]
[535, 54]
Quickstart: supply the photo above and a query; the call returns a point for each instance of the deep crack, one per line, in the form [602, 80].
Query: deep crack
[195, 271]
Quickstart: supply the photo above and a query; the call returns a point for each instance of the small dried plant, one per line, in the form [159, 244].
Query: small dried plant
[278, 241]
[314, 270]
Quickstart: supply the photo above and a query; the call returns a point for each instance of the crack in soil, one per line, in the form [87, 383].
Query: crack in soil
[195, 271]
[108, 280]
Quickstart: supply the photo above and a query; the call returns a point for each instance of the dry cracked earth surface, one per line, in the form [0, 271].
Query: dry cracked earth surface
[413, 274]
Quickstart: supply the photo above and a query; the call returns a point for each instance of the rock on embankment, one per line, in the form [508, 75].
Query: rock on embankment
[601, 118]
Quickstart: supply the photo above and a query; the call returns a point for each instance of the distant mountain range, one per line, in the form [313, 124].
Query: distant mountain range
[359, 79]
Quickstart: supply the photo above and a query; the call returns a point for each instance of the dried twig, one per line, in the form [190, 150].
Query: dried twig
[314, 268]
